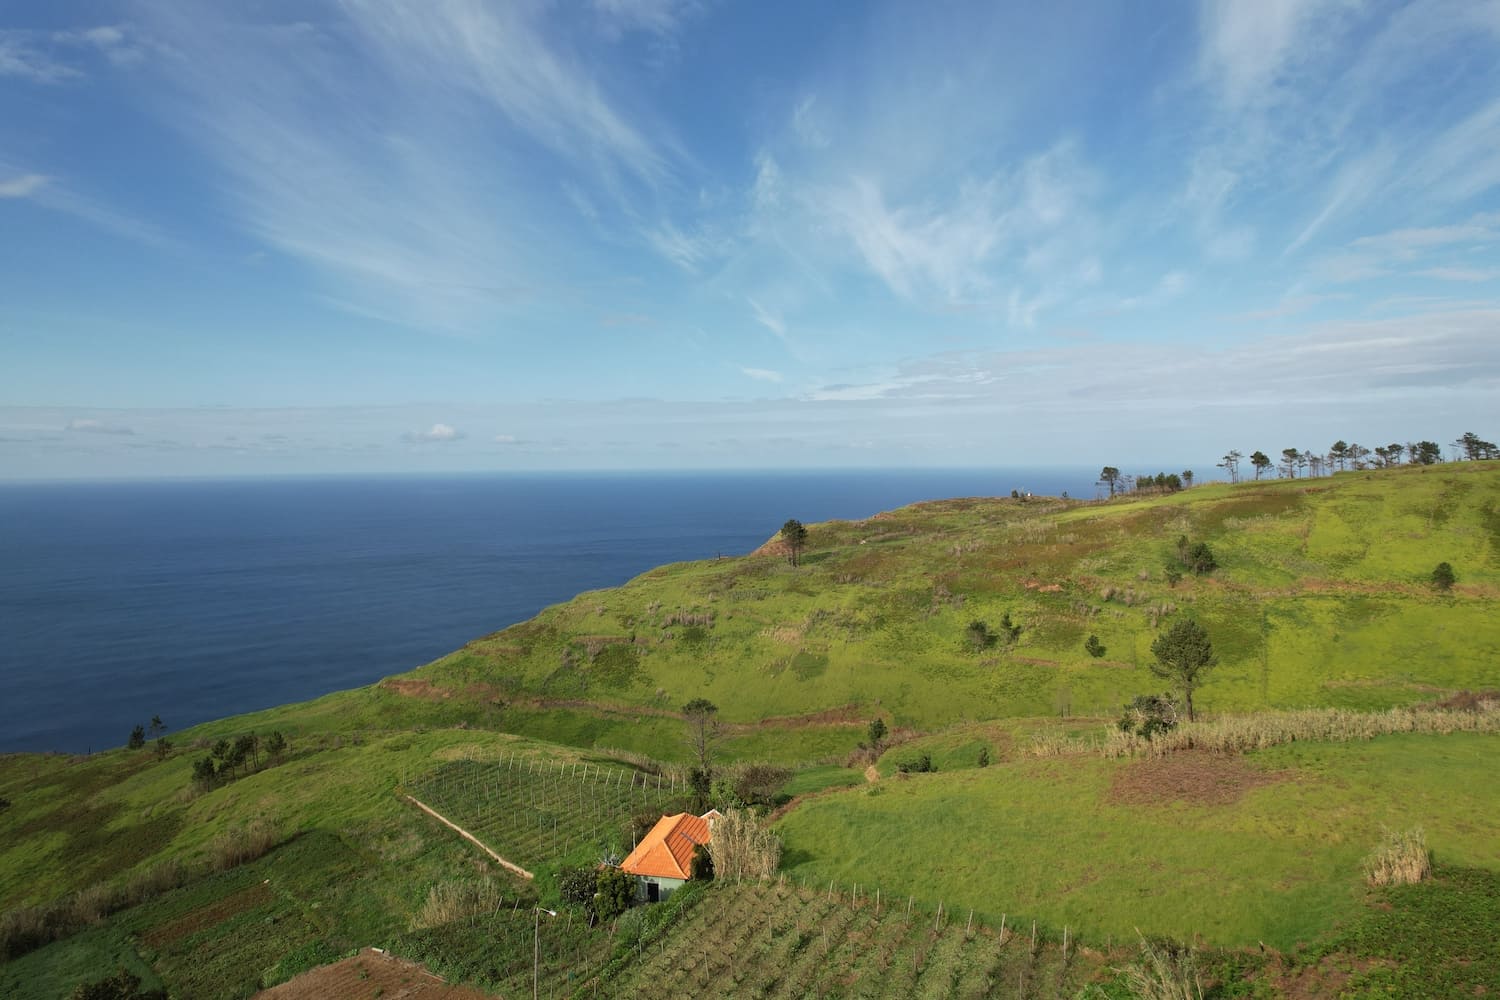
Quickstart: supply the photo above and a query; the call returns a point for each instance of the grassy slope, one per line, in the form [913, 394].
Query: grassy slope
[1321, 600]
[1046, 838]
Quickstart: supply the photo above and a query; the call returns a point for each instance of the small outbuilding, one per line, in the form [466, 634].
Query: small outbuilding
[663, 860]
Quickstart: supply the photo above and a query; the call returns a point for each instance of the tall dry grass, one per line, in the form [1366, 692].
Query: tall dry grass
[241, 844]
[1401, 859]
[1259, 730]
[1164, 972]
[28, 927]
[449, 902]
[743, 847]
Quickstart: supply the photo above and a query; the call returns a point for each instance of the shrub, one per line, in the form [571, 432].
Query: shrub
[919, 765]
[1146, 715]
[984, 756]
[757, 784]
[578, 885]
[877, 729]
[1401, 859]
[978, 636]
[1008, 629]
[1094, 647]
[123, 985]
[1443, 577]
[137, 738]
[702, 867]
[615, 894]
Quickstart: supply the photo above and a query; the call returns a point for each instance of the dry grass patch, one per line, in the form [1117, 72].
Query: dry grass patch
[1197, 778]
[448, 902]
[1401, 859]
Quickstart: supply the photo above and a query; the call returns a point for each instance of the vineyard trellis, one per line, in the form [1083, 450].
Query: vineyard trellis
[782, 939]
[533, 810]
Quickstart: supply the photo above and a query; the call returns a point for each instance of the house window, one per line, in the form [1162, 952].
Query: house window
[653, 892]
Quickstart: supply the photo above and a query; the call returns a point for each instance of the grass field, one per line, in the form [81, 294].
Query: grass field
[1322, 598]
[1234, 850]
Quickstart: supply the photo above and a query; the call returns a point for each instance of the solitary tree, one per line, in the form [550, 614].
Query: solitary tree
[876, 732]
[137, 738]
[1260, 461]
[1183, 655]
[1187, 477]
[1094, 647]
[702, 717]
[1339, 452]
[1289, 459]
[1443, 576]
[794, 534]
[1110, 477]
[157, 726]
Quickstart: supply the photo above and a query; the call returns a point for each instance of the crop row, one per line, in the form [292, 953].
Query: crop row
[786, 941]
[533, 811]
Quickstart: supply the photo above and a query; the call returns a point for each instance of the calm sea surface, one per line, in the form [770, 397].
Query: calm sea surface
[196, 600]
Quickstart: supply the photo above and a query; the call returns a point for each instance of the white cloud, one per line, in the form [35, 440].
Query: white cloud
[1461, 273]
[687, 251]
[23, 186]
[659, 17]
[506, 439]
[21, 57]
[768, 318]
[87, 426]
[1168, 287]
[762, 374]
[436, 433]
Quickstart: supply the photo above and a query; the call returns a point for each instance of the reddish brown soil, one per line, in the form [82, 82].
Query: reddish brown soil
[368, 975]
[208, 916]
[1197, 778]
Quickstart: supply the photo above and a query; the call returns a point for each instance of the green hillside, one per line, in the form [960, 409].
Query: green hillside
[550, 739]
[1322, 597]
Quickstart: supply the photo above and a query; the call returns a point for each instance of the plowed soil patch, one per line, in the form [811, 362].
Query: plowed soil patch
[368, 975]
[208, 916]
[1197, 778]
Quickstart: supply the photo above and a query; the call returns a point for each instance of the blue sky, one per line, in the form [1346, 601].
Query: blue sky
[285, 237]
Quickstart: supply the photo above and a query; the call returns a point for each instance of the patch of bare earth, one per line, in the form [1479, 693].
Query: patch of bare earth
[213, 914]
[368, 975]
[1193, 777]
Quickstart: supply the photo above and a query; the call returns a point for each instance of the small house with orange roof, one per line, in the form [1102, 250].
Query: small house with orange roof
[663, 860]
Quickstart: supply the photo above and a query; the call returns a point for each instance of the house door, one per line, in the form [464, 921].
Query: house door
[653, 892]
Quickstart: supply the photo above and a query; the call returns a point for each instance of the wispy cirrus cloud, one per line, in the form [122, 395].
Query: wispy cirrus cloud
[762, 374]
[27, 55]
[389, 148]
[22, 185]
[91, 426]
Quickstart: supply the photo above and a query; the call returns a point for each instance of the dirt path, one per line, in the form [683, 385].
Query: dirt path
[470, 837]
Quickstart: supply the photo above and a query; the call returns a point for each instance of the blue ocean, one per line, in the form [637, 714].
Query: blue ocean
[194, 600]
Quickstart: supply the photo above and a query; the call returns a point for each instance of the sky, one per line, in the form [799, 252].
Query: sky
[369, 236]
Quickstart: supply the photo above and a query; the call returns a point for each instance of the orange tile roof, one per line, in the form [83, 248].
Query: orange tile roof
[667, 851]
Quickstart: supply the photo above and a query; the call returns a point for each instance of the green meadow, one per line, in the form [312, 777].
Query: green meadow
[1322, 598]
